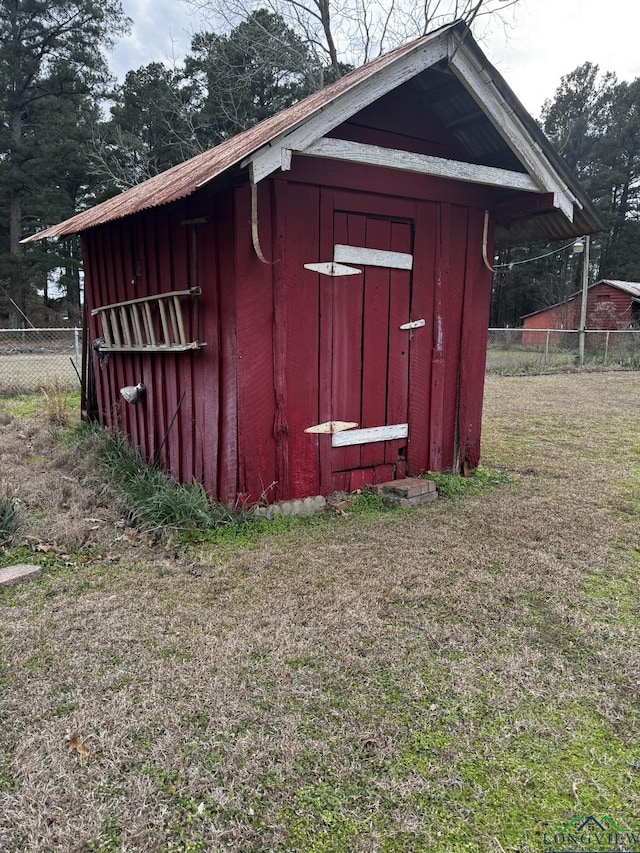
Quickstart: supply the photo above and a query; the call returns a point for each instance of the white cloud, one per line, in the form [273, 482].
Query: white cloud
[553, 37]
[161, 32]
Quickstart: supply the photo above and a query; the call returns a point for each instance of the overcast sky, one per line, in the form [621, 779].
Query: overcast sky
[547, 39]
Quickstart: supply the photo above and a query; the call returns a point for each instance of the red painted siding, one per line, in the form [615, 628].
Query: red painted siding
[287, 348]
[152, 254]
[608, 307]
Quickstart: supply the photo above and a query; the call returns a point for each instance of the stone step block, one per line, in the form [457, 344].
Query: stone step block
[407, 488]
[18, 573]
[416, 500]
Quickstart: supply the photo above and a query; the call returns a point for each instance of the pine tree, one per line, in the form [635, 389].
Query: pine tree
[50, 53]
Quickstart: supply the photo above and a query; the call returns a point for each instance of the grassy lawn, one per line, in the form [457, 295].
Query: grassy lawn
[30, 372]
[455, 678]
[514, 361]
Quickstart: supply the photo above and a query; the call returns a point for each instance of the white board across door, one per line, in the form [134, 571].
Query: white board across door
[370, 435]
[372, 257]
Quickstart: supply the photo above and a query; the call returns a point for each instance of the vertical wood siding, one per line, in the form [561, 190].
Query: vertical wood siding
[421, 379]
[616, 304]
[255, 435]
[147, 255]
[302, 334]
[284, 343]
[452, 311]
[473, 347]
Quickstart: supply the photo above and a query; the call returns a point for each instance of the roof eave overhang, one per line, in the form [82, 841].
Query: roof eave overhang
[276, 154]
[570, 212]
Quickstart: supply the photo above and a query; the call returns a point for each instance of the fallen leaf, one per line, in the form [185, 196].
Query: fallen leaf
[174, 785]
[46, 548]
[80, 748]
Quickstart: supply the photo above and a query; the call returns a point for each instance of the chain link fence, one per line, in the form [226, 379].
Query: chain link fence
[32, 359]
[547, 350]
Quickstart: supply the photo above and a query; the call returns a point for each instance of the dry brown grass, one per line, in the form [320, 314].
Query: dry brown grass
[456, 678]
[56, 403]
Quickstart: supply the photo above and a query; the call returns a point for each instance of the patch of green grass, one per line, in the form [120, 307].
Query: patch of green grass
[615, 594]
[454, 486]
[324, 818]
[109, 840]
[472, 773]
[155, 502]
[558, 756]
[21, 554]
[369, 503]
[24, 405]
[8, 782]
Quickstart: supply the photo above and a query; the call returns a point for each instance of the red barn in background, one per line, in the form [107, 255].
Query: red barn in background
[610, 305]
[306, 304]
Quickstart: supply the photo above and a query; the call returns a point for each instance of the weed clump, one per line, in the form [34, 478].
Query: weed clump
[154, 502]
[9, 520]
[56, 404]
[454, 486]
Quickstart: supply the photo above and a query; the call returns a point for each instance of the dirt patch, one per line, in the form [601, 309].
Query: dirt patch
[60, 494]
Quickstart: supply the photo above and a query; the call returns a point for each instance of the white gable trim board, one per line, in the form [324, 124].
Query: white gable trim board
[423, 164]
[269, 158]
[511, 130]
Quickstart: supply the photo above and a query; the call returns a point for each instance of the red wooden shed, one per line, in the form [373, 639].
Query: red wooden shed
[611, 305]
[307, 303]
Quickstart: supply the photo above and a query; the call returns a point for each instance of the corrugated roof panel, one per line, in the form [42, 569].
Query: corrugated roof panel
[630, 287]
[185, 178]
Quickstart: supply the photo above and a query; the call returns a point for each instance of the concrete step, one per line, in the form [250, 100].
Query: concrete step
[410, 491]
[18, 573]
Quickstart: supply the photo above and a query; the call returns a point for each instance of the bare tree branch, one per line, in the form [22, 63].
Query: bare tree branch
[349, 32]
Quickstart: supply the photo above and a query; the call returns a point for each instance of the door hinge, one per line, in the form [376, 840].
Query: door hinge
[414, 324]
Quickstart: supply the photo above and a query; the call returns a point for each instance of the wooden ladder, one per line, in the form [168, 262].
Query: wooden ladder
[148, 324]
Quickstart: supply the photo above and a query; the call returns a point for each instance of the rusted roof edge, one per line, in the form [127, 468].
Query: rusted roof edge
[232, 152]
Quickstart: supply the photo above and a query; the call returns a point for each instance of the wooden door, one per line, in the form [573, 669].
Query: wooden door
[370, 352]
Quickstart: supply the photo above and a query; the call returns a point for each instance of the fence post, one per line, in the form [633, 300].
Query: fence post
[76, 346]
[606, 347]
[546, 349]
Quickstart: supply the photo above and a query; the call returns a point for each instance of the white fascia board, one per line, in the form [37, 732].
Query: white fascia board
[407, 161]
[269, 159]
[511, 129]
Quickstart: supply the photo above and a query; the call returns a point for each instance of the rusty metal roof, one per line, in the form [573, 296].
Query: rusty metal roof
[186, 178]
[457, 109]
